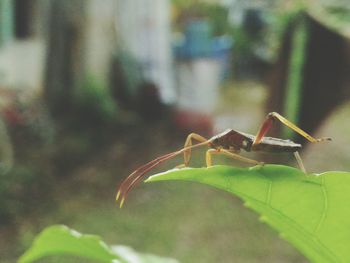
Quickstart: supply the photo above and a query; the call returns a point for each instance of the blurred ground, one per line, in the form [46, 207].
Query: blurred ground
[333, 156]
[193, 223]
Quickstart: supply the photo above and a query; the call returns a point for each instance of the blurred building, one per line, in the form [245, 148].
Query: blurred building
[144, 30]
[22, 45]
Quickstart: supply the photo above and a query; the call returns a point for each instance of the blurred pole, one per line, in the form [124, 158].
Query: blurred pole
[24, 13]
[100, 38]
[64, 65]
[6, 21]
[295, 73]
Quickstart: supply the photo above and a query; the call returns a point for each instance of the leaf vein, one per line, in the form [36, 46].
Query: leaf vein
[297, 227]
[325, 206]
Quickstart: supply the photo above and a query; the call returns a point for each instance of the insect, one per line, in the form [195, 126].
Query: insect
[229, 143]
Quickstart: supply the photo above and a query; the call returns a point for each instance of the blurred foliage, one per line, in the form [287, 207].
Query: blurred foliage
[94, 102]
[27, 152]
[6, 149]
[260, 32]
[126, 77]
[59, 240]
[333, 14]
[21, 182]
[295, 204]
[183, 3]
[342, 13]
[216, 14]
[41, 150]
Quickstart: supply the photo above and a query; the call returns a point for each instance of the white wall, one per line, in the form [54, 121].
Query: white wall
[101, 37]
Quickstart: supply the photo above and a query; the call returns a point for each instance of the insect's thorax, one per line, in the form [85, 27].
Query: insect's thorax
[232, 140]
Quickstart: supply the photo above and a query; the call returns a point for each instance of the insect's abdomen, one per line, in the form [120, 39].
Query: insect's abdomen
[270, 144]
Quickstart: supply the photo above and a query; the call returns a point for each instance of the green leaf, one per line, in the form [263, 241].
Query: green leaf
[312, 211]
[60, 240]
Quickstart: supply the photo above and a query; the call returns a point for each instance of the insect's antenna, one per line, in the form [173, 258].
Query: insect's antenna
[140, 176]
[136, 173]
[134, 178]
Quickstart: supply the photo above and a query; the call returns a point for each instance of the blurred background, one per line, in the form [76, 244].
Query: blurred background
[92, 89]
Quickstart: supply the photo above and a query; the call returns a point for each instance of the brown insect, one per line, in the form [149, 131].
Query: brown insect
[229, 143]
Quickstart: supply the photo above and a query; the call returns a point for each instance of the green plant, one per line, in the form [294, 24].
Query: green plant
[216, 14]
[310, 211]
[94, 101]
[60, 240]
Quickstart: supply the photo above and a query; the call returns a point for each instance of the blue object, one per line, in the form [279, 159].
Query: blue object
[198, 36]
[199, 42]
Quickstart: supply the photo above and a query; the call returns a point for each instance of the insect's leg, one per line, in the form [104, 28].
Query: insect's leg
[210, 152]
[268, 123]
[188, 143]
[300, 162]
